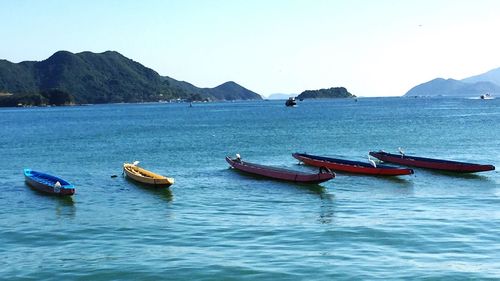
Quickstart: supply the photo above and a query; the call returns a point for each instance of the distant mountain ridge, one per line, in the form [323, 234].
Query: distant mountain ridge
[106, 77]
[492, 76]
[474, 86]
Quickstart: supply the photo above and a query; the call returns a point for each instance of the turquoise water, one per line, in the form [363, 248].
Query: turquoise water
[218, 224]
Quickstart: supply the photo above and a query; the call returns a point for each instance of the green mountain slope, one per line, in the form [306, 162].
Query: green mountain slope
[105, 78]
[17, 77]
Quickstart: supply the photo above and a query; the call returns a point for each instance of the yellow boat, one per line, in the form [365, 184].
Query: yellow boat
[144, 176]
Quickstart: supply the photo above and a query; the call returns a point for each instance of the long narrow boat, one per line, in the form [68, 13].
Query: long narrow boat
[48, 183]
[280, 173]
[348, 166]
[147, 177]
[430, 163]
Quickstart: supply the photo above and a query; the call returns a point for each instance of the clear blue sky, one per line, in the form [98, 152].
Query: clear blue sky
[371, 47]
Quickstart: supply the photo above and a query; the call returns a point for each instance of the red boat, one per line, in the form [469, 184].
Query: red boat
[429, 163]
[351, 166]
[280, 173]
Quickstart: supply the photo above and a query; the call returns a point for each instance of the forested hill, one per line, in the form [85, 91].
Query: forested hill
[336, 92]
[107, 77]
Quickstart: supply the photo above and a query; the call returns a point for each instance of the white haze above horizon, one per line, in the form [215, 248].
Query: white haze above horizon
[373, 48]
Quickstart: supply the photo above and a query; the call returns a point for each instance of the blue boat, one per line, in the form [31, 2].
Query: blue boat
[48, 183]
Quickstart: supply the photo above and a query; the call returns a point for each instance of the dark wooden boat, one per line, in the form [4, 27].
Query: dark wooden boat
[48, 183]
[280, 173]
[429, 163]
[348, 166]
[291, 102]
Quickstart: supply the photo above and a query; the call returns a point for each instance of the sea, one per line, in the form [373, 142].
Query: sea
[216, 223]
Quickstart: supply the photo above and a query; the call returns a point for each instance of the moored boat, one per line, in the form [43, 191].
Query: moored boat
[486, 96]
[349, 166]
[431, 163]
[48, 183]
[291, 102]
[144, 176]
[280, 173]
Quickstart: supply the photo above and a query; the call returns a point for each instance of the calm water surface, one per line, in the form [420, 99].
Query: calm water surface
[218, 224]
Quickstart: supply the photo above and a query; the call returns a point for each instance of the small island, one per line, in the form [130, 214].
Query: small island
[331, 93]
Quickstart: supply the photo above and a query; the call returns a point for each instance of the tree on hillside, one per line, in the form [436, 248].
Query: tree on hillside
[58, 97]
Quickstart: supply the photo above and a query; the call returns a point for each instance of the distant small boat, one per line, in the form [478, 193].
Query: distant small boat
[48, 183]
[430, 163]
[486, 97]
[291, 102]
[349, 166]
[280, 173]
[144, 176]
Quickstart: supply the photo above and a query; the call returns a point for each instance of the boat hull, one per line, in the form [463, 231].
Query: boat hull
[430, 163]
[291, 102]
[279, 173]
[146, 177]
[351, 166]
[47, 183]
